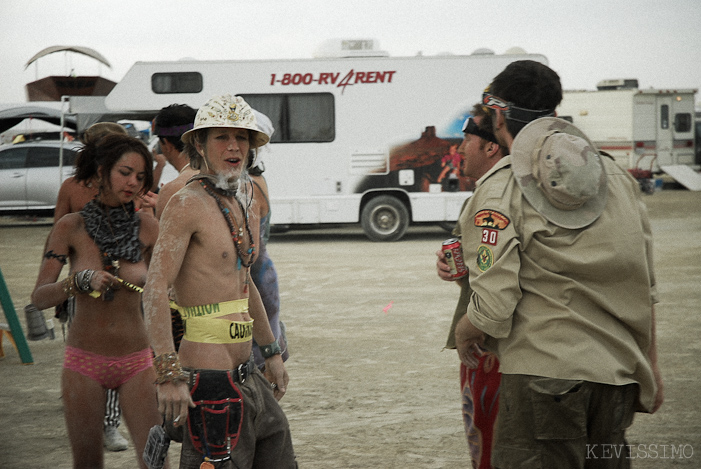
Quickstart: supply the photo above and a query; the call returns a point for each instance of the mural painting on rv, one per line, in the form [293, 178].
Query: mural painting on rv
[428, 164]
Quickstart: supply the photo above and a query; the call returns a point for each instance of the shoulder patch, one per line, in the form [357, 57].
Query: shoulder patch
[485, 258]
[491, 219]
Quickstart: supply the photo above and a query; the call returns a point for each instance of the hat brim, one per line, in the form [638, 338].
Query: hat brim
[258, 138]
[522, 165]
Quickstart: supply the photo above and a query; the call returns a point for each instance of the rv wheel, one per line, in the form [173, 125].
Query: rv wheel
[385, 218]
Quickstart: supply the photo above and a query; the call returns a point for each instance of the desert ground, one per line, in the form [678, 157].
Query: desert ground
[370, 383]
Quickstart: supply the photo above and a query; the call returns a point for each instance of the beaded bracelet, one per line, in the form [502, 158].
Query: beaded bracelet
[83, 279]
[68, 285]
[168, 368]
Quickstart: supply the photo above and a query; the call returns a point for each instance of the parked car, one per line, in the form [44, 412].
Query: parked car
[30, 176]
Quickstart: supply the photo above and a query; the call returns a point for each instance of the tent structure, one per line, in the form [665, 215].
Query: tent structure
[15, 114]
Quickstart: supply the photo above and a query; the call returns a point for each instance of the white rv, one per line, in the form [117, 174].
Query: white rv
[645, 130]
[359, 137]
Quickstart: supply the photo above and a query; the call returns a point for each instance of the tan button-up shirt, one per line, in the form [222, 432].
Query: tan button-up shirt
[560, 303]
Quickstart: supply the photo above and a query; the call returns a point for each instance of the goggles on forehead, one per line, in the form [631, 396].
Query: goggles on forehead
[513, 112]
[471, 127]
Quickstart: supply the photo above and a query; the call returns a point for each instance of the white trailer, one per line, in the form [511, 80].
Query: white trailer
[645, 130]
[358, 138]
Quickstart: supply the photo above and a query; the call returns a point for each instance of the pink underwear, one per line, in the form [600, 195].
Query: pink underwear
[109, 372]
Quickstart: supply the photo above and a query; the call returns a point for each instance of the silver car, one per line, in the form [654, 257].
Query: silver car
[30, 176]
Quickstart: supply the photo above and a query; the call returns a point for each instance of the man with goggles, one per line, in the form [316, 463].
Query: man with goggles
[470, 127]
[480, 152]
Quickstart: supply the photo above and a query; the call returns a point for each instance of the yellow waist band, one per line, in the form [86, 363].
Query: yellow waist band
[202, 325]
[214, 310]
[218, 331]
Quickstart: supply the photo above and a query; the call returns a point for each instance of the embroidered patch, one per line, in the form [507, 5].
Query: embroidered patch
[489, 236]
[485, 258]
[491, 219]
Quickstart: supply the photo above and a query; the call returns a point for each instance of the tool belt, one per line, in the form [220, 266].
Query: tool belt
[215, 422]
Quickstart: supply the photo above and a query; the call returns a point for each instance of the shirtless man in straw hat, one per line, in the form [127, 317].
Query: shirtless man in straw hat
[205, 250]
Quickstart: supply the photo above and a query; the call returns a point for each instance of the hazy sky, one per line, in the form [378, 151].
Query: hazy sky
[657, 42]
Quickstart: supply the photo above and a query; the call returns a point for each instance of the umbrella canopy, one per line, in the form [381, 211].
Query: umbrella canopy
[78, 49]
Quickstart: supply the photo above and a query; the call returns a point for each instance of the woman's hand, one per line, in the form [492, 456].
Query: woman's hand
[102, 281]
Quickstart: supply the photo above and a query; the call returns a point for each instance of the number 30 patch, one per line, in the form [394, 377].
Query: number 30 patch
[489, 236]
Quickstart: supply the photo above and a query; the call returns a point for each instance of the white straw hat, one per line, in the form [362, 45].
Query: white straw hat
[228, 111]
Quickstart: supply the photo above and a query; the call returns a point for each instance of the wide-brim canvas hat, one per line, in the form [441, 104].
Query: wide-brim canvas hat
[560, 172]
[227, 111]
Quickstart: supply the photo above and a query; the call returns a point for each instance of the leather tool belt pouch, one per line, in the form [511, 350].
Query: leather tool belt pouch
[215, 423]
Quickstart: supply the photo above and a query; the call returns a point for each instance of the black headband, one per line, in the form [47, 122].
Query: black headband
[471, 127]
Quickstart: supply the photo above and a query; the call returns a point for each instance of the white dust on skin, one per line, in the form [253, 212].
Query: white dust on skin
[168, 247]
[156, 290]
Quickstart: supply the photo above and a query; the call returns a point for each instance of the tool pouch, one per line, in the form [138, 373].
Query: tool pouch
[215, 423]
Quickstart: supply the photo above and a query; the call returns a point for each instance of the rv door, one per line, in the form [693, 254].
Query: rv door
[665, 135]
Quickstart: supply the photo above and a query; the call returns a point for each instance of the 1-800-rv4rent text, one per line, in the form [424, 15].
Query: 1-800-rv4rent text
[364, 138]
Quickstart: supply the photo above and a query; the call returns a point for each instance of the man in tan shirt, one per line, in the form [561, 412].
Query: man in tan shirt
[205, 249]
[560, 255]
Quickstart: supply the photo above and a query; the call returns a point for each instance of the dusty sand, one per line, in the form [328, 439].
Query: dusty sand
[371, 388]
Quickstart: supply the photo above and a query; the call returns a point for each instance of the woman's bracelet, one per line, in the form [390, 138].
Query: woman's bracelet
[168, 368]
[83, 279]
[68, 285]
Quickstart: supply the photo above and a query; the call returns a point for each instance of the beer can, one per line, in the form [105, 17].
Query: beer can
[453, 256]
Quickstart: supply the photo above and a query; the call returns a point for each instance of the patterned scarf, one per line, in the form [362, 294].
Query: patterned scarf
[115, 230]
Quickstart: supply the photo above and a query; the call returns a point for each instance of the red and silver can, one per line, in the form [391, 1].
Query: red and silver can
[453, 257]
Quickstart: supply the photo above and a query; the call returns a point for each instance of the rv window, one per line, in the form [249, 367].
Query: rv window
[297, 118]
[664, 116]
[682, 122]
[180, 82]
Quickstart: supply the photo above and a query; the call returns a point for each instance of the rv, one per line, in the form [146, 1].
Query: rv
[359, 137]
[647, 131]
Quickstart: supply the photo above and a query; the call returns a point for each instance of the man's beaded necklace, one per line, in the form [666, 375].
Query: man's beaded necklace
[236, 234]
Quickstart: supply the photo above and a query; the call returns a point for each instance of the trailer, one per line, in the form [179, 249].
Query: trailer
[360, 137]
[647, 131]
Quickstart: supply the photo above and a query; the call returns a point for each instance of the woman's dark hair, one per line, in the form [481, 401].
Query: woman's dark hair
[96, 159]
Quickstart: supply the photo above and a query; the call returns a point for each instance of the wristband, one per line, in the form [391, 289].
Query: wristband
[168, 368]
[83, 279]
[68, 285]
[271, 349]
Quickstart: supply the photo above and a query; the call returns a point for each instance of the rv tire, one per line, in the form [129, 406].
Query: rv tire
[385, 218]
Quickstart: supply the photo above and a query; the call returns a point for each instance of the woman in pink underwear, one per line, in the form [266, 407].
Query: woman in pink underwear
[109, 245]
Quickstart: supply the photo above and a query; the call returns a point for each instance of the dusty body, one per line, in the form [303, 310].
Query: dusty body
[169, 189]
[195, 254]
